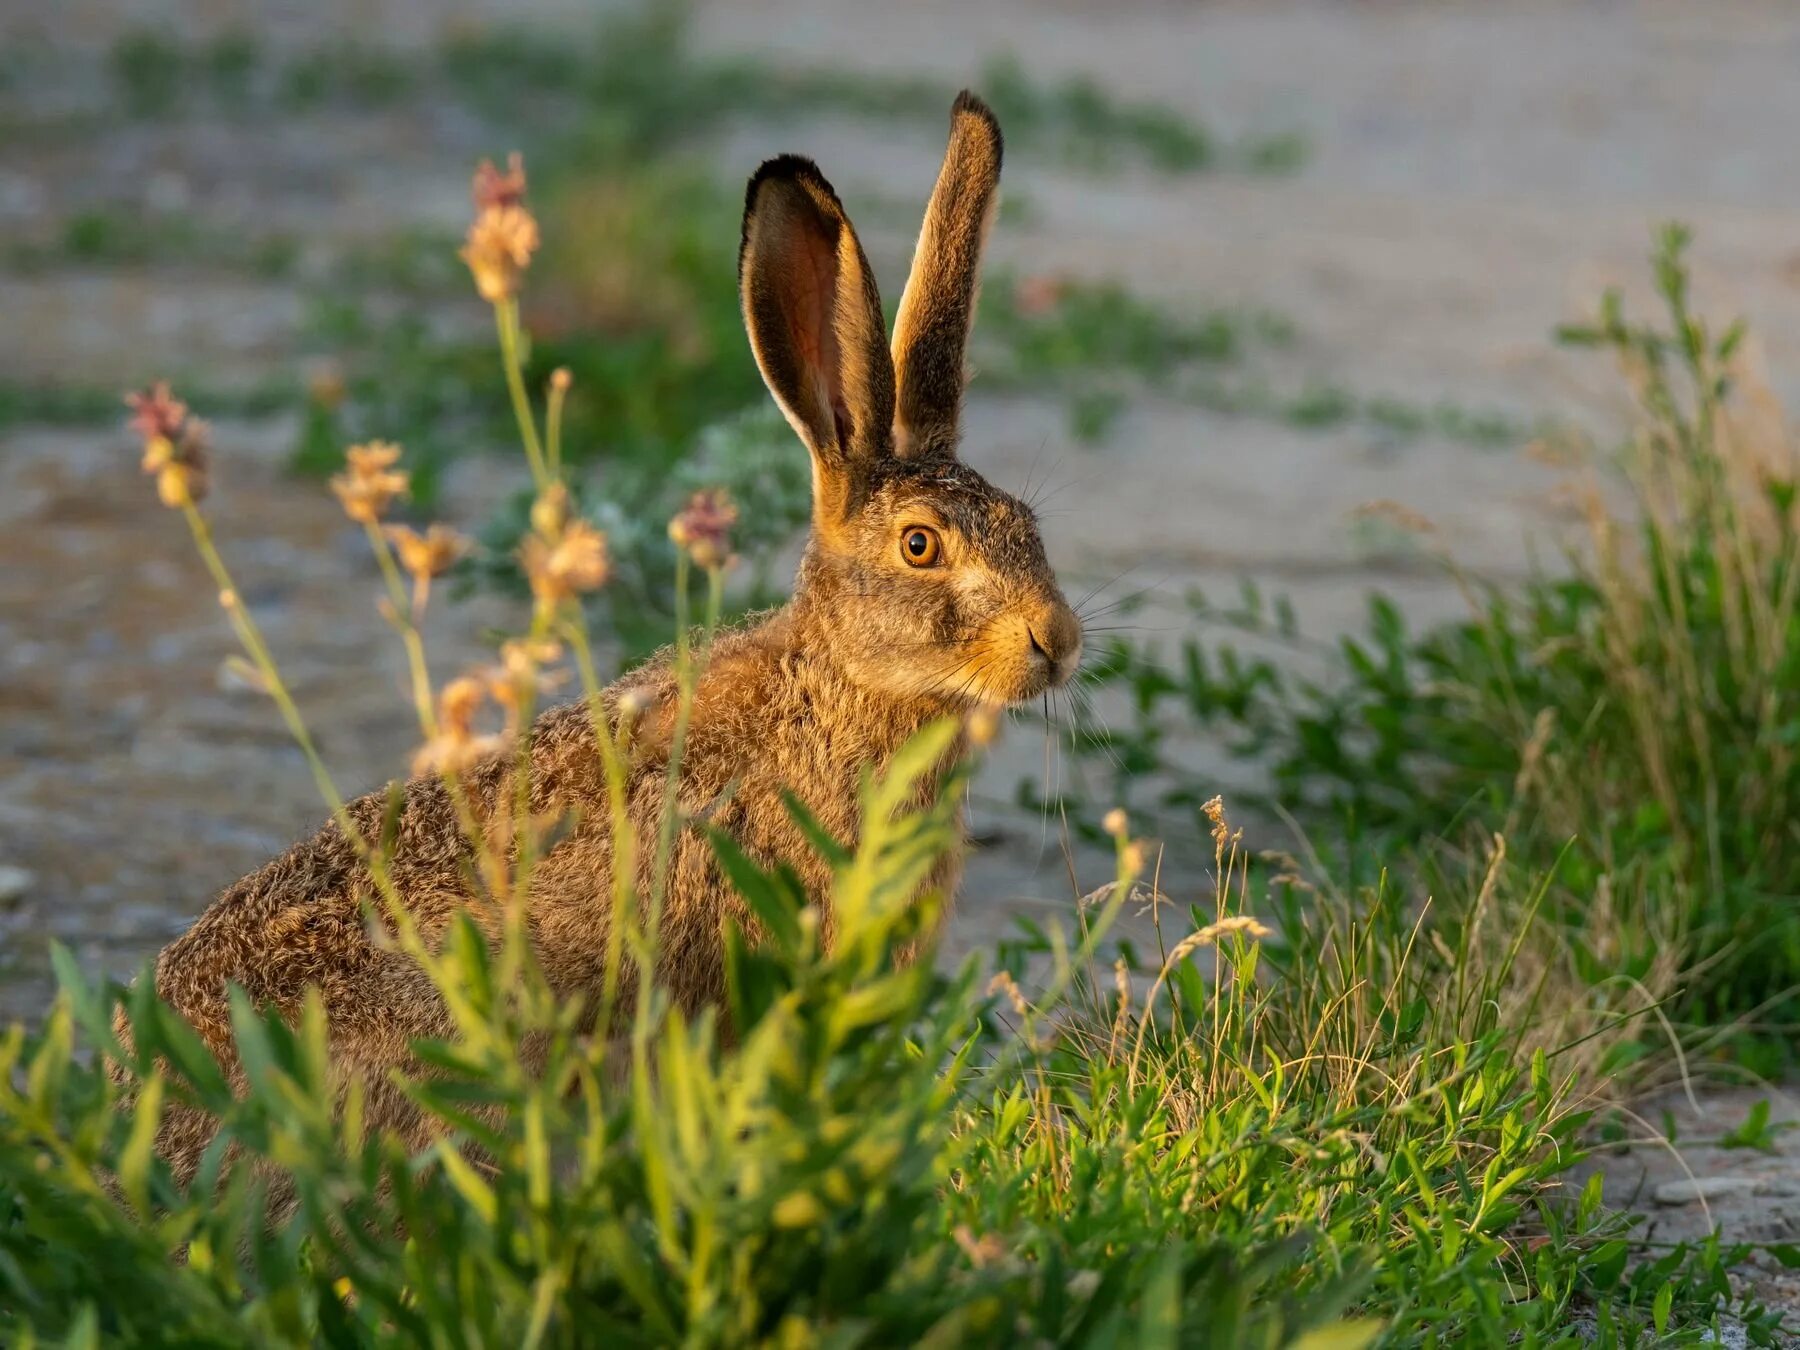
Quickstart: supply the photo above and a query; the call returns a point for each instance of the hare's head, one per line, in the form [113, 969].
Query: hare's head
[925, 580]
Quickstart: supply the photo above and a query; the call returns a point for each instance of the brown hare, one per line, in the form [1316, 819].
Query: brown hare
[923, 591]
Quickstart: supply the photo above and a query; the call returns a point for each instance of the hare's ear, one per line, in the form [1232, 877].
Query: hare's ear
[815, 325]
[938, 306]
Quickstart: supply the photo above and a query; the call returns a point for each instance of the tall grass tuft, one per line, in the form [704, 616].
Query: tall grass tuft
[1631, 718]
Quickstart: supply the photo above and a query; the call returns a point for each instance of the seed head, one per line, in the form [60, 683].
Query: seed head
[493, 188]
[156, 412]
[566, 563]
[1207, 936]
[498, 250]
[1214, 811]
[456, 745]
[430, 554]
[1115, 823]
[370, 481]
[520, 676]
[427, 555]
[703, 528]
[175, 445]
[1003, 983]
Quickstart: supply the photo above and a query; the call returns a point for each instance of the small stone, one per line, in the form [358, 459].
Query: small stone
[14, 883]
[1689, 1190]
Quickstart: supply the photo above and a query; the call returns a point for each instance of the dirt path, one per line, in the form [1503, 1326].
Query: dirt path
[1475, 174]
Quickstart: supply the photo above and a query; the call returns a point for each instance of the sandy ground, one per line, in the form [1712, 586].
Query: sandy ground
[1688, 1167]
[1476, 174]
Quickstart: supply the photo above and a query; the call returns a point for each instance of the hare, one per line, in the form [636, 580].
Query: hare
[922, 591]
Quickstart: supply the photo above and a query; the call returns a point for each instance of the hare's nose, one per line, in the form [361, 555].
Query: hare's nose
[1055, 635]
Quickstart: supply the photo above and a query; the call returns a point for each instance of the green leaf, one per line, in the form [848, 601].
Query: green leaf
[829, 848]
[1344, 1336]
[138, 1155]
[468, 1183]
[774, 906]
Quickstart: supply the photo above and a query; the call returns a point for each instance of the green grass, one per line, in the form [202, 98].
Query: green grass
[1341, 1139]
[1638, 701]
[1064, 330]
[53, 403]
[117, 237]
[1321, 405]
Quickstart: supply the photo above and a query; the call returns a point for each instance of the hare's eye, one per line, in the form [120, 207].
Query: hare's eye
[919, 545]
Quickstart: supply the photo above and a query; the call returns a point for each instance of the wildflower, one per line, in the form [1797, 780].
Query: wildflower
[175, 445]
[520, 675]
[1132, 858]
[492, 188]
[498, 250]
[560, 380]
[456, 744]
[1115, 823]
[156, 412]
[426, 555]
[703, 528]
[564, 563]
[372, 482]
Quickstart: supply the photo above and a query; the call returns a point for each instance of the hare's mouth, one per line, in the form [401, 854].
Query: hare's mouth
[1019, 658]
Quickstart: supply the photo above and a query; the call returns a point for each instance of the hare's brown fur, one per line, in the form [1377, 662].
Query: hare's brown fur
[869, 650]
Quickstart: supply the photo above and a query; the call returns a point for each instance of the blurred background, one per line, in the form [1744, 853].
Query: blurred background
[1261, 268]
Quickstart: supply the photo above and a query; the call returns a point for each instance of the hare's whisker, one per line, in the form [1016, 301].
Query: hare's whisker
[1101, 586]
[1129, 598]
[1063, 487]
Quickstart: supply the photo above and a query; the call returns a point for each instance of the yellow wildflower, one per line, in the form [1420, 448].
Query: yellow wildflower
[371, 481]
[498, 249]
[427, 555]
[457, 745]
